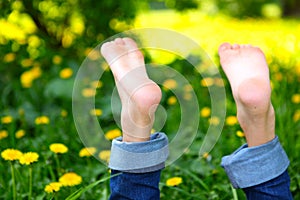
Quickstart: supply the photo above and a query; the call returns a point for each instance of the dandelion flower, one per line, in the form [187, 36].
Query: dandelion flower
[87, 151]
[240, 134]
[3, 134]
[97, 84]
[296, 116]
[214, 121]
[20, 133]
[42, 120]
[58, 148]
[63, 113]
[172, 100]
[112, 134]
[104, 155]
[66, 73]
[205, 112]
[53, 187]
[96, 112]
[56, 59]
[11, 154]
[9, 57]
[6, 119]
[88, 92]
[174, 181]
[70, 179]
[231, 120]
[170, 84]
[28, 158]
[219, 82]
[207, 82]
[296, 98]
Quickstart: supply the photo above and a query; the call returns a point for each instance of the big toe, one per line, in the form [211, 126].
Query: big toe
[130, 43]
[223, 48]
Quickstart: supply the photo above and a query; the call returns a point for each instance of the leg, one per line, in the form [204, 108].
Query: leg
[248, 74]
[139, 178]
[139, 95]
[260, 167]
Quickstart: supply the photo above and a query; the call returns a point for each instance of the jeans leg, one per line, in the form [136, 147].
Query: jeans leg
[140, 186]
[275, 189]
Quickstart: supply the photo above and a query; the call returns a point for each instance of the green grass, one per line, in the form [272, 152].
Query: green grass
[203, 178]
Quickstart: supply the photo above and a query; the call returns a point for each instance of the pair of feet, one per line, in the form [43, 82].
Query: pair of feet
[245, 67]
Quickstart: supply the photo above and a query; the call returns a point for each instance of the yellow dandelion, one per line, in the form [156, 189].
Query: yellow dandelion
[9, 57]
[3, 134]
[87, 151]
[231, 120]
[88, 92]
[20, 133]
[11, 154]
[29, 76]
[6, 119]
[214, 121]
[112, 134]
[172, 100]
[153, 131]
[104, 155]
[28, 158]
[207, 82]
[240, 134]
[96, 112]
[170, 84]
[66, 73]
[97, 84]
[278, 76]
[187, 96]
[58, 148]
[42, 120]
[174, 181]
[188, 88]
[205, 112]
[219, 82]
[63, 113]
[205, 155]
[27, 62]
[296, 98]
[70, 179]
[296, 116]
[56, 59]
[52, 187]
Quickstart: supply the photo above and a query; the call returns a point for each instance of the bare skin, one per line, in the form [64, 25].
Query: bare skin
[244, 65]
[139, 95]
[248, 73]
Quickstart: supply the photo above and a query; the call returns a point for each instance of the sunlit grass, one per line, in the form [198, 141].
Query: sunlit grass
[42, 113]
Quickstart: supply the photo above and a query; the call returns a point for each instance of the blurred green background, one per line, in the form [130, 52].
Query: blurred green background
[43, 43]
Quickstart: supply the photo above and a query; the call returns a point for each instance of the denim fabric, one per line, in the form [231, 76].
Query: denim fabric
[139, 157]
[275, 189]
[135, 186]
[249, 166]
[260, 171]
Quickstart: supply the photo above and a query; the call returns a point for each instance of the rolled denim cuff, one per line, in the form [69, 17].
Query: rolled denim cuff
[139, 157]
[250, 166]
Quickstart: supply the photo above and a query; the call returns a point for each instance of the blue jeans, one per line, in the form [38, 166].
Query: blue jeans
[260, 171]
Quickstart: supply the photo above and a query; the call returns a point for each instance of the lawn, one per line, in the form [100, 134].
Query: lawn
[37, 114]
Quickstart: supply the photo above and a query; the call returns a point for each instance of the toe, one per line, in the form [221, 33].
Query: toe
[119, 41]
[236, 46]
[130, 43]
[223, 47]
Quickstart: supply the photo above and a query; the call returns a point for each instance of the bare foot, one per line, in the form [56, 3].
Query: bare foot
[248, 73]
[139, 95]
